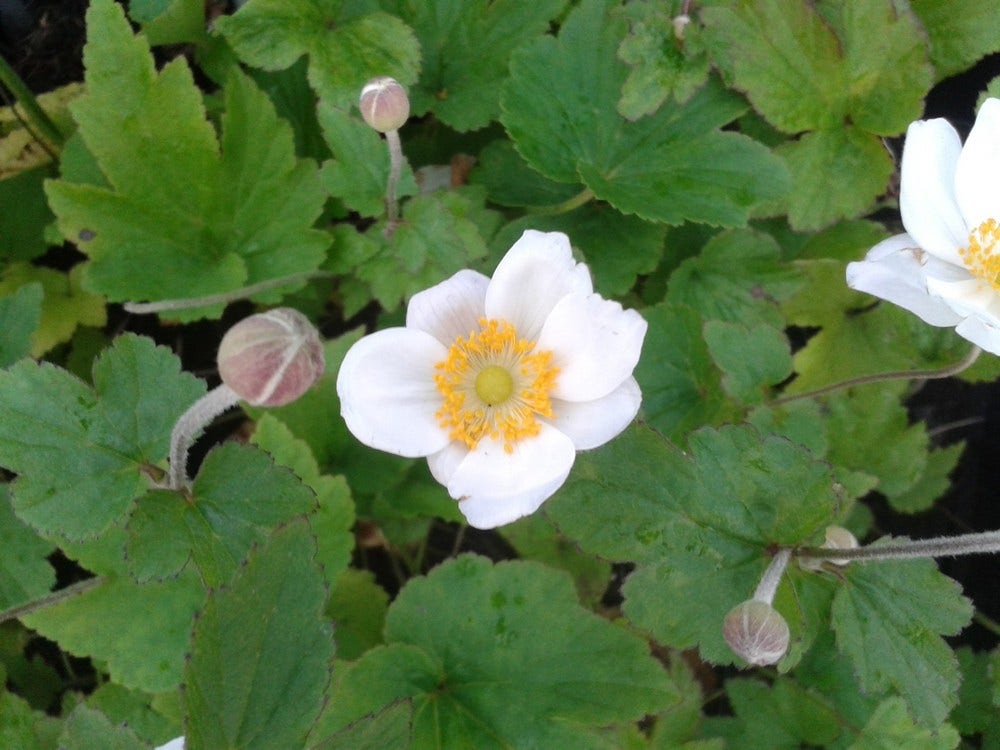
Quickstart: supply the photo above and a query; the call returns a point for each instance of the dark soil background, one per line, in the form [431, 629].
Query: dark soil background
[43, 40]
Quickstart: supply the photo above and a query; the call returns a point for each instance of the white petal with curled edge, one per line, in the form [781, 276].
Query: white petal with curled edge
[387, 392]
[595, 344]
[984, 334]
[969, 296]
[443, 463]
[494, 487]
[592, 423]
[896, 271]
[927, 189]
[978, 167]
[533, 276]
[451, 309]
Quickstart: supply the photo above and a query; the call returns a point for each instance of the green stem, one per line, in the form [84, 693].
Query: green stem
[986, 622]
[395, 170]
[945, 372]
[942, 546]
[50, 599]
[223, 298]
[38, 122]
[584, 196]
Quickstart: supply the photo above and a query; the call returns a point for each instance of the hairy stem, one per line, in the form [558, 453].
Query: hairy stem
[942, 546]
[772, 577]
[395, 169]
[945, 372]
[190, 425]
[50, 599]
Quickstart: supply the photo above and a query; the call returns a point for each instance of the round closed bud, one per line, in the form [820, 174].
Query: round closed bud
[837, 537]
[384, 104]
[271, 358]
[757, 632]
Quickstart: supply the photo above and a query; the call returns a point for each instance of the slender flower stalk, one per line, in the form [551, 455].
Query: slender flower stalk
[37, 121]
[395, 169]
[385, 107]
[943, 546]
[190, 426]
[768, 585]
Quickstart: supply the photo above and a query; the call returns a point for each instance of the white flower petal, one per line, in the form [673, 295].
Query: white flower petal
[896, 271]
[969, 296]
[595, 344]
[592, 423]
[451, 309]
[443, 463]
[978, 167]
[533, 276]
[927, 199]
[175, 744]
[494, 487]
[387, 392]
[984, 334]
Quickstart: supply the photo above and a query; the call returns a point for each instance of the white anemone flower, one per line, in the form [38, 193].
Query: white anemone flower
[499, 382]
[946, 267]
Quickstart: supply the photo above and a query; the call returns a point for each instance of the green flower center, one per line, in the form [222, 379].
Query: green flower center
[494, 385]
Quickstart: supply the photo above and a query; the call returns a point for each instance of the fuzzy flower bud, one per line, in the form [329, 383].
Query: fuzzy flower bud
[837, 537]
[384, 104]
[271, 358]
[757, 632]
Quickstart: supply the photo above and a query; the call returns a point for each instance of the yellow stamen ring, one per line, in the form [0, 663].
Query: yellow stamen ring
[982, 256]
[494, 385]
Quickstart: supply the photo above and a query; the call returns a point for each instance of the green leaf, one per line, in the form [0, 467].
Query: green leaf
[888, 617]
[65, 306]
[502, 656]
[333, 519]
[238, 497]
[179, 218]
[20, 314]
[103, 440]
[559, 108]
[264, 688]
[87, 728]
[170, 21]
[346, 45]
[891, 727]
[360, 169]
[466, 46]
[23, 728]
[932, 483]
[960, 32]
[25, 574]
[783, 715]
[616, 248]
[681, 386]
[975, 712]
[839, 173]
[701, 525]
[751, 359]
[133, 708]
[140, 630]
[435, 240]
[357, 606]
[386, 729]
[510, 181]
[24, 213]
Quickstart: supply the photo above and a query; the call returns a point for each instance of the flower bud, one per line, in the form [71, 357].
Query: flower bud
[384, 104]
[837, 537]
[271, 358]
[757, 632]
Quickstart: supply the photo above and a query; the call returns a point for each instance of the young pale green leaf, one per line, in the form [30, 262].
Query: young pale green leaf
[83, 454]
[701, 526]
[141, 631]
[64, 306]
[840, 172]
[333, 518]
[466, 46]
[264, 688]
[238, 497]
[664, 61]
[751, 359]
[888, 617]
[346, 44]
[179, 218]
[960, 32]
[617, 248]
[390, 728]
[681, 386]
[892, 727]
[357, 606]
[359, 170]
[24, 572]
[559, 107]
[737, 277]
[87, 728]
[502, 656]
[20, 315]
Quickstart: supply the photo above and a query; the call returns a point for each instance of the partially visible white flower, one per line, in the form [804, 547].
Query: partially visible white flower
[175, 744]
[946, 267]
[498, 382]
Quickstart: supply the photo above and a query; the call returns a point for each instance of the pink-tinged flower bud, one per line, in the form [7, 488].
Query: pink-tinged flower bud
[384, 104]
[271, 358]
[756, 631]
